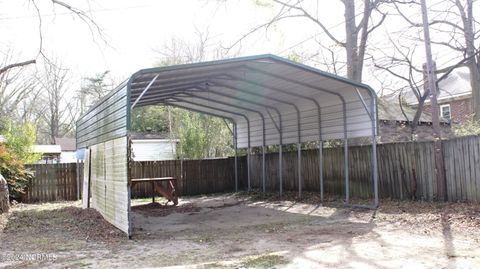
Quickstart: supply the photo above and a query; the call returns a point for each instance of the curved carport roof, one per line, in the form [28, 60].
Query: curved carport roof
[270, 100]
[280, 101]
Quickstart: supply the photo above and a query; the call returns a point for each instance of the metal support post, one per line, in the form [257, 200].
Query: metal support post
[263, 167]
[236, 155]
[345, 154]
[320, 168]
[374, 152]
[248, 158]
[280, 168]
[299, 162]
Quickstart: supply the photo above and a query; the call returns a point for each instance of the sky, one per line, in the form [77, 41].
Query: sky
[134, 31]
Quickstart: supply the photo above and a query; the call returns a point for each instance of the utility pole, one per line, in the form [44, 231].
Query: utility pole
[432, 86]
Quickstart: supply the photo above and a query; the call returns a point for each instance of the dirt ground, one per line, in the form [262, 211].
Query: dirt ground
[240, 231]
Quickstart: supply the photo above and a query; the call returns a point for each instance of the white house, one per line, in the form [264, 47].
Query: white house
[64, 151]
[69, 148]
[153, 147]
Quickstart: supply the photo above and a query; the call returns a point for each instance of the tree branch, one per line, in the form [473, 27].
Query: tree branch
[14, 65]
[83, 16]
[304, 13]
[448, 70]
[401, 106]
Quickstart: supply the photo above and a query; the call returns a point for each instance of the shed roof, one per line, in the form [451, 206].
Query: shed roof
[66, 143]
[271, 100]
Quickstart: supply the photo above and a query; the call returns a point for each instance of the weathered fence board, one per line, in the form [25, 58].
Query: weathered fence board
[406, 170]
[193, 176]
[52, 182]
[462, 168]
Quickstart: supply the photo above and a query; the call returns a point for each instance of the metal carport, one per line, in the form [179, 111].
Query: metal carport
[269, 100]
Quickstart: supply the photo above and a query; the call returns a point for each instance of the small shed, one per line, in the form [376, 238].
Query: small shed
[268, 99]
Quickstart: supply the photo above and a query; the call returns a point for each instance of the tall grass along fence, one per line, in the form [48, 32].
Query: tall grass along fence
[406, 171]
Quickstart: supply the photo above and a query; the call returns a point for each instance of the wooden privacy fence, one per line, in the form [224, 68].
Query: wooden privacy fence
[462, 168]
[406, 170]
[193, 176]
[53, 182]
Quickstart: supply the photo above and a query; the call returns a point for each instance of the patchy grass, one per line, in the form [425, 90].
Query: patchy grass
[265, 261]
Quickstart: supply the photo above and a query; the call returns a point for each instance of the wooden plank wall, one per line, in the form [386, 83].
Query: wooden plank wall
[193, 176]
[406, 170]
[52, 182]
[462, 168]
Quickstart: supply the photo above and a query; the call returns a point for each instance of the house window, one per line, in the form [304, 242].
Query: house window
[445, 112]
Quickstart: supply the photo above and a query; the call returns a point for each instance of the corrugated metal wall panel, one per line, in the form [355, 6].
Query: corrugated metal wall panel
[110, 195]
[105, 121]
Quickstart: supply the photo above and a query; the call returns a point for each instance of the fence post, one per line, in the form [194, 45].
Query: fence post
[440, 170]
[77, 173]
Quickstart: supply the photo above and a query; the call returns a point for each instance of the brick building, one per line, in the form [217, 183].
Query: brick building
[455, 97]
[394, 127]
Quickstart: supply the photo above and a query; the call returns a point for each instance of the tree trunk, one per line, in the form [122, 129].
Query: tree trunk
[466, 13]
[351, 46]
[475, 84]
[4, 197]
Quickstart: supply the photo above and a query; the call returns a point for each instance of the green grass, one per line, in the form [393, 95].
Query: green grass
[265, 261]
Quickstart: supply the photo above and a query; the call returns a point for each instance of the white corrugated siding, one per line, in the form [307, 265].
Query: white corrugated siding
[110, 194]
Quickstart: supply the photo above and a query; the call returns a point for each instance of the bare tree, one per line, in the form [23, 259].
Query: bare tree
[15, 87]
[402, 66]
[454, 27]
[201, 136]
[358, 20]
[77, 12]
[19, 94]
[58, 113]
[93, 89]
[180, 51]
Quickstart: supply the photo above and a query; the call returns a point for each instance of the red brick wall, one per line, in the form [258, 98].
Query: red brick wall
[461, 109]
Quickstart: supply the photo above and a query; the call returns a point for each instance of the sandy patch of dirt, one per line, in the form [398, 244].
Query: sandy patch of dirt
[250, 231]
[160, 210]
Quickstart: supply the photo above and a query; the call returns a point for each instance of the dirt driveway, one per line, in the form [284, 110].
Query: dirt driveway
[238, 231]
